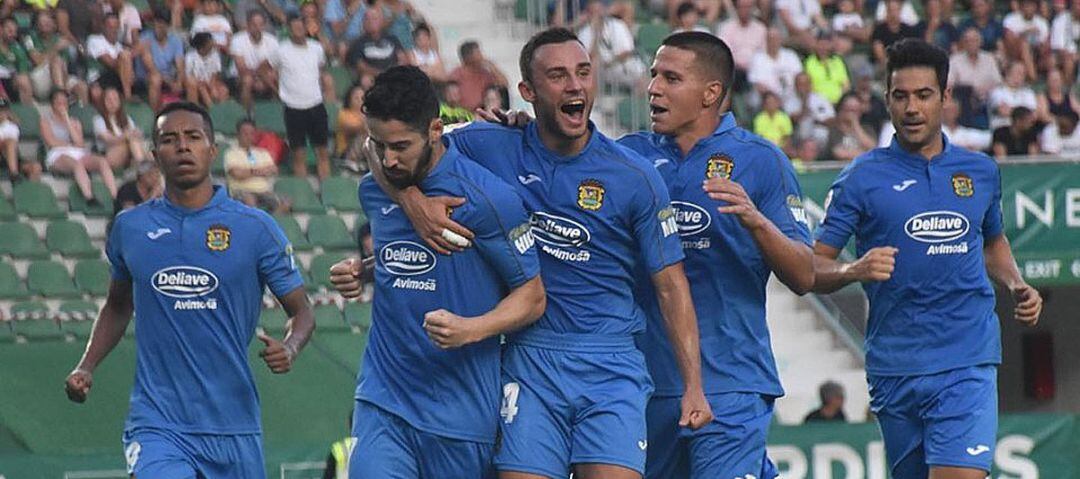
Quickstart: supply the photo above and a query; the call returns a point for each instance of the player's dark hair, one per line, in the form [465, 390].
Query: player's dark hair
[403, 93]
[1019, 113]
[711, 54]
[684, 8]
[208, 123]
[466, 48]
[550, 36]
[913, 52]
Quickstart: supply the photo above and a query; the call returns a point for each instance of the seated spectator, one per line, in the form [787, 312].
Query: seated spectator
[161, 68]
[1018, 138]
[1012, 94]
[875, 113]
[146, 186]
[772, 123]
[611, 46]
[203, 75]
[826, 69]
[116, 134]
[889, 31]
[63, 137]
[1064, 35]
[9, 147]
[14, 63]
[112, 65]
[1056, 99]
[832, 404]
[344, 22]
[807, 151]
[688, 18]
[402, 19]
[425, 54]
[1061, 137]
[251, 51]
[848, 138]
[803, 19]
[493, 99]
[774, 69]
[974, 67]
[745, 35]
[211, 20]
[1027, 36]
[351, 130]
[276, 12]
[475, 75]
[938, 28]
[849, 27]
[375, 51]
[810, 112]
[908, 15]
[971, 138]
[77, 19]
[982, 19]
[251, 171]
[50, 54]
[130, 20]
[709, 10]
[450, 109]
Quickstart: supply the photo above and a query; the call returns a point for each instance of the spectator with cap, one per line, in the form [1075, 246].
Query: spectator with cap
[611, 47]
[826, 69]
[745, 35]
[832, 404]
[1064, 35]
[203, 72]
[14, 63]
[1061, 137]
[251, 170]
[890, 30]
[160, 68]
[425, 54]
[146, 186]
[375, 51]
[300, 62]
[475, 75]
[251, 51]
[111, 62]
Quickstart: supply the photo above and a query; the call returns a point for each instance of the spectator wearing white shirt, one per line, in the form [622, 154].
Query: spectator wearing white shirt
[811, 113]
[130, 20]
[113, 60]
[251, 51]
[203, 75]
[974, 67]
[745, 35]
[849, 27]
[1061, 137]
[299, 62]
[1027, 36]
[1064, 34]
[1012, 94]
[115, 133]
[973, 139]
[908, 15]
[425, 54]
[611, 47]
[774, 69]
[802, 19]
[211, 20]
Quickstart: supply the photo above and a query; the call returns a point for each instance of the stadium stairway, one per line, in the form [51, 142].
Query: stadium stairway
[808, 353]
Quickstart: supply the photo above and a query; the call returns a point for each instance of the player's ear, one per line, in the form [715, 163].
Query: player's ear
[526, 91]
[713, 94]
[435, 131]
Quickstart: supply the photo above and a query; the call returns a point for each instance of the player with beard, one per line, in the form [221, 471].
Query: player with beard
[575, 385]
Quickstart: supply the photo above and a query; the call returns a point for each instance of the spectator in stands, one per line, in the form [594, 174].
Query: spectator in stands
[826, 69]
[1056, 99]
[1020, 137]
[982, 19]
[77, 19]
[1027, 36]
[971, 138]
[745, 35]
[774, 69]
[146, 186]
[938, 28]
[425, 54]
[1061, 137]
[251, 50]
[611, 48]
[50, 54]
[9, 146]
[848, 138]
[875, 113]
[832, 404]
[14, 63]
[475, 75]
[130, 21]
[251, 170]
[849, 27]
[807, 151]
[112, 63]
[402, 19]
[974, 67]
[688, 19]
[116, 134]
[203, 72]
[211, 20]
[299, 63]
[1064, 35]
[493, 99]
[709, 10]
[276, 11]
[63, 136]
[802, 19]
[1015, 92]
[313, 25]
[908, 15]
[344, 20]
[351, 130]
[161, 65]
[810, 112]
[374, 51]
[772, 123]
[890, 30]
[450, 108]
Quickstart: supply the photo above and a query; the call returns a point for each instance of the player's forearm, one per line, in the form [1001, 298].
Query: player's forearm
[301, 327]
[106, 334]
[522, 307]
[792, 261]
[1000, 264]
[680, 320]
[830, 274]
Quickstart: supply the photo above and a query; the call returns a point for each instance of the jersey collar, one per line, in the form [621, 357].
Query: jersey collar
[897, 151]
[532, 135]
[727, 123]
[219, 197]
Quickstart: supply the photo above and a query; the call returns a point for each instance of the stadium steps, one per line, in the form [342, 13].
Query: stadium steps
[808, 354]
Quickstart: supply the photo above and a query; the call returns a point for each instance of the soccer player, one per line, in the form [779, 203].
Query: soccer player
[576, 386]
[427, 399]
[738, 208]
[193, 265]
[926, 216]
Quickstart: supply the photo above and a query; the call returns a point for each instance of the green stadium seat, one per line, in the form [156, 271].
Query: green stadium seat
[320, 268]
[24, 310]
[633, 114]
[270, 115]
[143, 116]
[78, 310]
[79, 328]
[330, 233]
[92, 277]
[51, 280]
[340, 193]
[7, 333]
[293, 232]
[358, 314]
[85, 114]
[328, 318]
[299, 193]
[309, 284]
[11, 286]
[36, 200]
[70, 239]
[217, 168]
[343, 80]
[37, 328]
[225, 115]
[649, 38]
[332, 110]
[273, 320]
[78, 204]
[28, 116]
[7, 212]
[22, 242]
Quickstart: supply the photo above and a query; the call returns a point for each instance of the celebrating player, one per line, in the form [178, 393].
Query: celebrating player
[427, 401]
[926, 216]
[193, 266]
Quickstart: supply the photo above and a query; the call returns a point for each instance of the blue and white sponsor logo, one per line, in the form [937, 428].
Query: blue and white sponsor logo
[406, 258]
[184, 282]
[692, 219]
[558, 231]
[937, 226]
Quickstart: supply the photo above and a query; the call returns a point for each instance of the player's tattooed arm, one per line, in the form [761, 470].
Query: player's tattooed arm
[108, 329]
[1001, 267]
[831, 275]
[280, 355]
[523, 306]
[673, 292]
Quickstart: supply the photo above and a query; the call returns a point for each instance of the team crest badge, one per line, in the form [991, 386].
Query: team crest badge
[962, 185]
[720, 165]
[590, 195]
[217, 237]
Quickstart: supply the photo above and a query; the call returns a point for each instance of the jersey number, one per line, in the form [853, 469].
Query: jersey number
[509, 403]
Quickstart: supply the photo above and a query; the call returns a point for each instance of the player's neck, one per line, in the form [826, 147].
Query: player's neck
[701, 128]
[928, 150]
[562, 145]
[190, 198]
[437, 152]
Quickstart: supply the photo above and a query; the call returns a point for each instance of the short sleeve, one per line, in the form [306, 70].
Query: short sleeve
[100, 128]
[277, 265]
[504, 236]
[781, 201]
[842, 210]
[114, 251]
[95, 46]
[489, 145]
[993, 223]
[654, 224]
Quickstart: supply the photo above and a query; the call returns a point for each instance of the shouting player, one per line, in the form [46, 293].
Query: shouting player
[193, 266]
[926, 216]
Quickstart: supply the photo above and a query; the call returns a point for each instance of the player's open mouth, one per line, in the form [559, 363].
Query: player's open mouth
[575, 109]
[656, 110]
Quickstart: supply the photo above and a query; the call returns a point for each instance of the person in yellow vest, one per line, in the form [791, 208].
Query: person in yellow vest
[337, 463]
[826, 69]
[772, 123]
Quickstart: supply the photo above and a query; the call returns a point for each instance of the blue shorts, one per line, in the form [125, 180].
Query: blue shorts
[946, 419]
[387, 447]
[165, 454]
[732, 445]
[565, 407]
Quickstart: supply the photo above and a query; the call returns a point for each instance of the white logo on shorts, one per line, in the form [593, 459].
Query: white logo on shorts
[643, 445]
[979, 449]
[131, 454]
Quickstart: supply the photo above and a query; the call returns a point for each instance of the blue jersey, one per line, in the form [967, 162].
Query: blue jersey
[198, 278]
[596, 217]
[725, 268]
[937, 311]
[453, 393]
